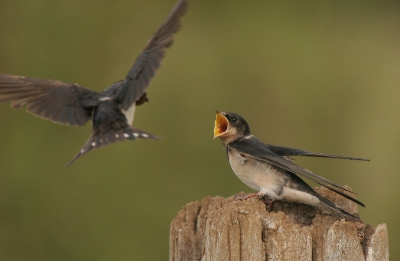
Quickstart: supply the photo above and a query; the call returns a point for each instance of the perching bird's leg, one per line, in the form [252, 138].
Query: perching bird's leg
[269, 202]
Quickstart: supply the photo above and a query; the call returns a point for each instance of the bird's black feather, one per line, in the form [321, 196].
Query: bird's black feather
[72, 104]
[254, 148]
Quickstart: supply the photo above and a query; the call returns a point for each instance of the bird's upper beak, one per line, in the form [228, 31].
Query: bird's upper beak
[221, 124]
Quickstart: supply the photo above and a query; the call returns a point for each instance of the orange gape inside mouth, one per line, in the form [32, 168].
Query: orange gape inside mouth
[221, 124]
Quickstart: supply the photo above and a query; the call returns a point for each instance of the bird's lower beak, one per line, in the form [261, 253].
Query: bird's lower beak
[221, 124]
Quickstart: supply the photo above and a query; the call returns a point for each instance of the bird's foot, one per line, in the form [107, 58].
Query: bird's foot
[269, 202]
[251, 195]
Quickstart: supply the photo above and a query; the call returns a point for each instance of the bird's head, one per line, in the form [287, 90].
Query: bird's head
[230, 126]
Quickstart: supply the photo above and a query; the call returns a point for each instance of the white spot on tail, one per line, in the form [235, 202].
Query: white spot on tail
[93, 144]
[82, 151]
[144, 135]
[126, 135]
[136, 134]
[116, 135]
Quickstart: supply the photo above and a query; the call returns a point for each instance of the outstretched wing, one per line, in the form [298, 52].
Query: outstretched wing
[255, 148]
[148, 62]
[286, 151]
[57, 101]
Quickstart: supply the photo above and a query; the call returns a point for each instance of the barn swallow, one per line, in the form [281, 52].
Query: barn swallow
[267, 168]
[112, 110]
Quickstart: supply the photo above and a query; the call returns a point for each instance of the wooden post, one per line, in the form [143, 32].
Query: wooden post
[227, 229]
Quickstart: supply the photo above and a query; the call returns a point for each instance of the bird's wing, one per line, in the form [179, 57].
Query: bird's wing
[286, 151]
[252, 147]
[148, 62]
[57, 101]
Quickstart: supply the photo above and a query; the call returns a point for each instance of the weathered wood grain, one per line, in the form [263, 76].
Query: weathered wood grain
[229, 229]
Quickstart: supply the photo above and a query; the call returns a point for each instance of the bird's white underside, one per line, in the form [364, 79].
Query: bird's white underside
[268, 180]
[130, 113]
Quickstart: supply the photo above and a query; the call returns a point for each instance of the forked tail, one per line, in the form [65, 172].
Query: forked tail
[98, 139]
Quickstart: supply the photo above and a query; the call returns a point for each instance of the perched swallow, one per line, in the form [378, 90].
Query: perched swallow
[267, 168]
[111, 110]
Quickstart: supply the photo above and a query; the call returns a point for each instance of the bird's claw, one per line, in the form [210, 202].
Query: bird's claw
[269, 202]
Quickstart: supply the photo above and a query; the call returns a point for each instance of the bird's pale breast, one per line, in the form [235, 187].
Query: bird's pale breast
[258, 175]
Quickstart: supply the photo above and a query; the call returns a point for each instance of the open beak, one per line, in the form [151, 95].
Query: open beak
[221, 124]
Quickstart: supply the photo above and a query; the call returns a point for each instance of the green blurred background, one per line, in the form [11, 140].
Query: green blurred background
[322, 76]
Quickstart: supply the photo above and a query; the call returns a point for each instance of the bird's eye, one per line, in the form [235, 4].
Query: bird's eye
[234, 119]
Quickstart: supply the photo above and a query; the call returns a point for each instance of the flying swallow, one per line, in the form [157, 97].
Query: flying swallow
[112, 110]
[267, 168]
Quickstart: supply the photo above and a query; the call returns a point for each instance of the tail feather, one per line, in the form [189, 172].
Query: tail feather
[97, 139]
[329, 204]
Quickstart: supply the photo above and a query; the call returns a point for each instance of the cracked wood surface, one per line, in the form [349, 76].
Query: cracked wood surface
[228, 229]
